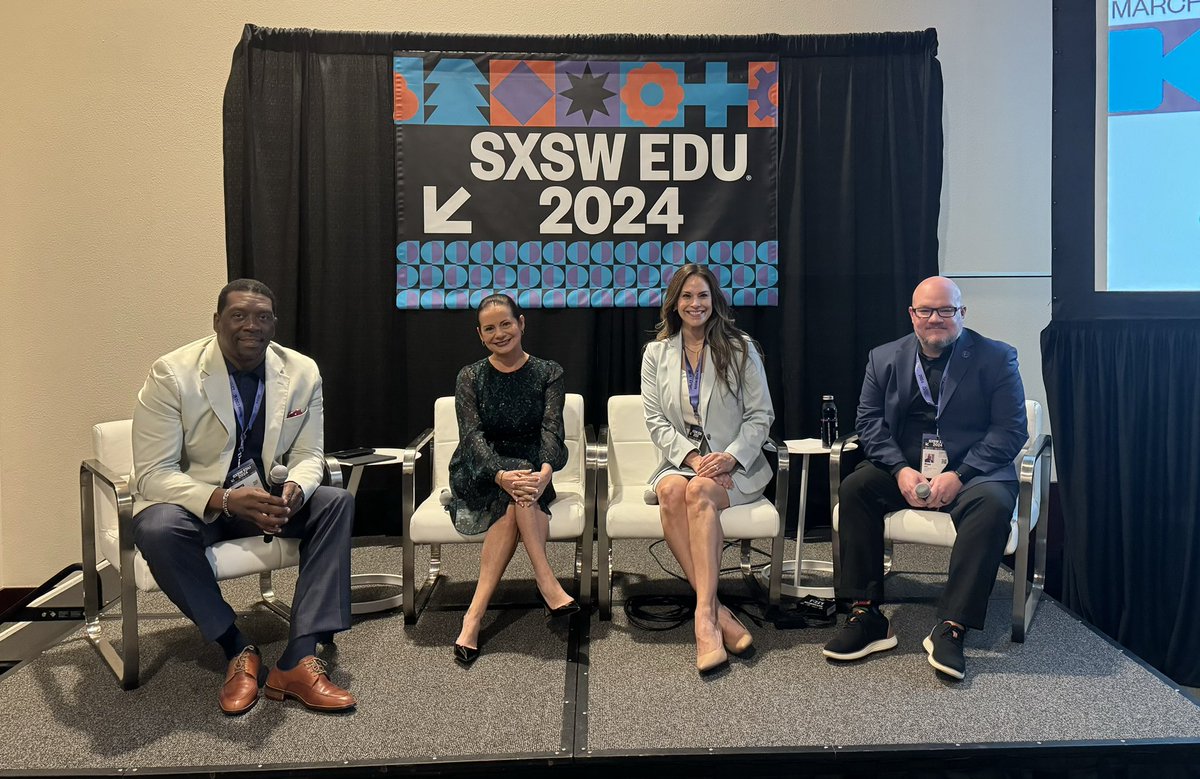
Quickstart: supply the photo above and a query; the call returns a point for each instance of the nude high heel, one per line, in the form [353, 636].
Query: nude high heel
[742, 643]
[711, 661]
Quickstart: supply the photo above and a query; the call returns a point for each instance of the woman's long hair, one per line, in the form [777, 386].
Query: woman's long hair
[726, 342]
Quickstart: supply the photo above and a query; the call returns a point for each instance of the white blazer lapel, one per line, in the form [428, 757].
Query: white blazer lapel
[215, 381]
[708, 380]
[669, 384]
[275, 404]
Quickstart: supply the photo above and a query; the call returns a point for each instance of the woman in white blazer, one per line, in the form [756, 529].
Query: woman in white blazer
[709, 412]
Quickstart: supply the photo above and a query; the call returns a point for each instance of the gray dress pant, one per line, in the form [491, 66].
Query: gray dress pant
[173, 542]
[982, 516]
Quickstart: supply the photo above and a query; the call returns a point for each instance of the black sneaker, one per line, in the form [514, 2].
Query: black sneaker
[945, 647]
[866, 631]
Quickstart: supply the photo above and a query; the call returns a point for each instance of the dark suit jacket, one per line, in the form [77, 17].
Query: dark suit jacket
[983, 422]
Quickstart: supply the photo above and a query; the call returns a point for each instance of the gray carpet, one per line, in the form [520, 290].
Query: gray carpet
[415, 703]
[1064, 683]
[64, 710]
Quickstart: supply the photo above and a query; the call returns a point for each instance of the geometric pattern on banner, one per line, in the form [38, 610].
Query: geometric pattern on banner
[572, 181]
[522, 93]
[587, 94]
[764, 94]
[577, 274]
[455, 98]
[576, 93]
[408, 89]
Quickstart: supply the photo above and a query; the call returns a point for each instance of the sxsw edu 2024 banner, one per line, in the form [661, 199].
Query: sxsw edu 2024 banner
[576, 181]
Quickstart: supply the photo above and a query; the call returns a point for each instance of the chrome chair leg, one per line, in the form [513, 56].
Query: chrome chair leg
[266, 588]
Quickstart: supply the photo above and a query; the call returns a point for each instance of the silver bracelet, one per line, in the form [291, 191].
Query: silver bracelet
[225, 503]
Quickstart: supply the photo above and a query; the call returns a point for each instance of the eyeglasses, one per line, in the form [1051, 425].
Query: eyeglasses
[945, 312]
[241, 317]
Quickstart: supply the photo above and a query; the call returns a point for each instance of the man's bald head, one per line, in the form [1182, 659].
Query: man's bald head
[937, 314]
[938, 285]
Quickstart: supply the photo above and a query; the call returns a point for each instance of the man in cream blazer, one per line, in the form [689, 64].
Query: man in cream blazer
[211, 421]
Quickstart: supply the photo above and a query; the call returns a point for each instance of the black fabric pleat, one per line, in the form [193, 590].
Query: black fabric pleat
[1124, 403]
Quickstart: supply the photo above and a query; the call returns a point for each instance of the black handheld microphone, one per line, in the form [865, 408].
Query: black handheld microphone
[922, 490]
[277, 479]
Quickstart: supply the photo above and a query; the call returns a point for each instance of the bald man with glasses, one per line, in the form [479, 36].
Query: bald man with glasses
[941, 418]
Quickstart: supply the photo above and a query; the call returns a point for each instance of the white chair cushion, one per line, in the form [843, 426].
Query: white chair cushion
[431, 524]
[445, 441]
[229, 559]
[632, 458]
[112, 445]
[915, 526]
[632, 455]
[937, 528]
[919, 527]
[629, 516]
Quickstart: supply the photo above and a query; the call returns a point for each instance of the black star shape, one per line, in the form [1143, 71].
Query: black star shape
[587, 93]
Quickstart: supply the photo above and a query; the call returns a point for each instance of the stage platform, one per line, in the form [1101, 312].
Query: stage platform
[608, 697]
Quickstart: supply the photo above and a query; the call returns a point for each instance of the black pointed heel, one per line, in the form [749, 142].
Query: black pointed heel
[562, 613]
[465, 655]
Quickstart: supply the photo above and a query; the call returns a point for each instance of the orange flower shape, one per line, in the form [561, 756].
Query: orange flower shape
[404, 101]
[637, 80]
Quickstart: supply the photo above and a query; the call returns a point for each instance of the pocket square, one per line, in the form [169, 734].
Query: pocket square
[296, 412]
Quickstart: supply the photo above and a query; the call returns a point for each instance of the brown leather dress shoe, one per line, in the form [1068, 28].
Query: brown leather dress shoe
[309, 684]
[240, 690]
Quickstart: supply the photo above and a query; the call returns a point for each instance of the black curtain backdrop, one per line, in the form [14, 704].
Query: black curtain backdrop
[1126, 417]
[310, 210]
[1122, 388]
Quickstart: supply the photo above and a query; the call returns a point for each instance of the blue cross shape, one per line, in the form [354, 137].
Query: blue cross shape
[716, 94]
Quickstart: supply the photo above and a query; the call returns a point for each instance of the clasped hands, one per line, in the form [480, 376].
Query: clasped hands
[714, 465]
[943, 488]
[262, 508]
[524, 485]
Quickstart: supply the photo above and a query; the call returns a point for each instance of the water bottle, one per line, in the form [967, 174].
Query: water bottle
[829, 425]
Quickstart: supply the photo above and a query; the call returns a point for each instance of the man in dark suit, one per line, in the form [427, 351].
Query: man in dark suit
[941, 418]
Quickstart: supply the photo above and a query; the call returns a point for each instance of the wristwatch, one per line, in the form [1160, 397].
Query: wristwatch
[959, 475]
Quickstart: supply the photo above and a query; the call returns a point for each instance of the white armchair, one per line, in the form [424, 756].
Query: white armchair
[106, 514]
[572, 514]
[627, 457]
[936, 528]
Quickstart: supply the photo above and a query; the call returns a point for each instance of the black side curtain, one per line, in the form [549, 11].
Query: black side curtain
[311, 201]
[1124, 403]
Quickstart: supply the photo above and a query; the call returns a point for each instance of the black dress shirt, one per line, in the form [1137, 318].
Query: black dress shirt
[922, 417]
[247, 383]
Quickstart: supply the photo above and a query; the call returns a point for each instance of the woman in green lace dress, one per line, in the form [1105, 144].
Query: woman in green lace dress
[510, 441]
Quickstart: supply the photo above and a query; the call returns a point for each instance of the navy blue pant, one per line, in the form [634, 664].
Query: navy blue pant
[173, 542]
[982, 516]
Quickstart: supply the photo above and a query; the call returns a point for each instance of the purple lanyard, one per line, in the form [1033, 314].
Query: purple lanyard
[239, 410]
[693, 380]
[923, 384]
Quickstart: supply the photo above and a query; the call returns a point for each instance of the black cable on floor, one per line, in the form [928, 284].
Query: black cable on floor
[659, 612]
[667, 612]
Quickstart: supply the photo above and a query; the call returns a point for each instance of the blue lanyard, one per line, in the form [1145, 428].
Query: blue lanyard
[923, 384]
[239, 410]
[693, 381]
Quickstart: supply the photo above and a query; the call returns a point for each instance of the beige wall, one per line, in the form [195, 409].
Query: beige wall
[111, 217]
